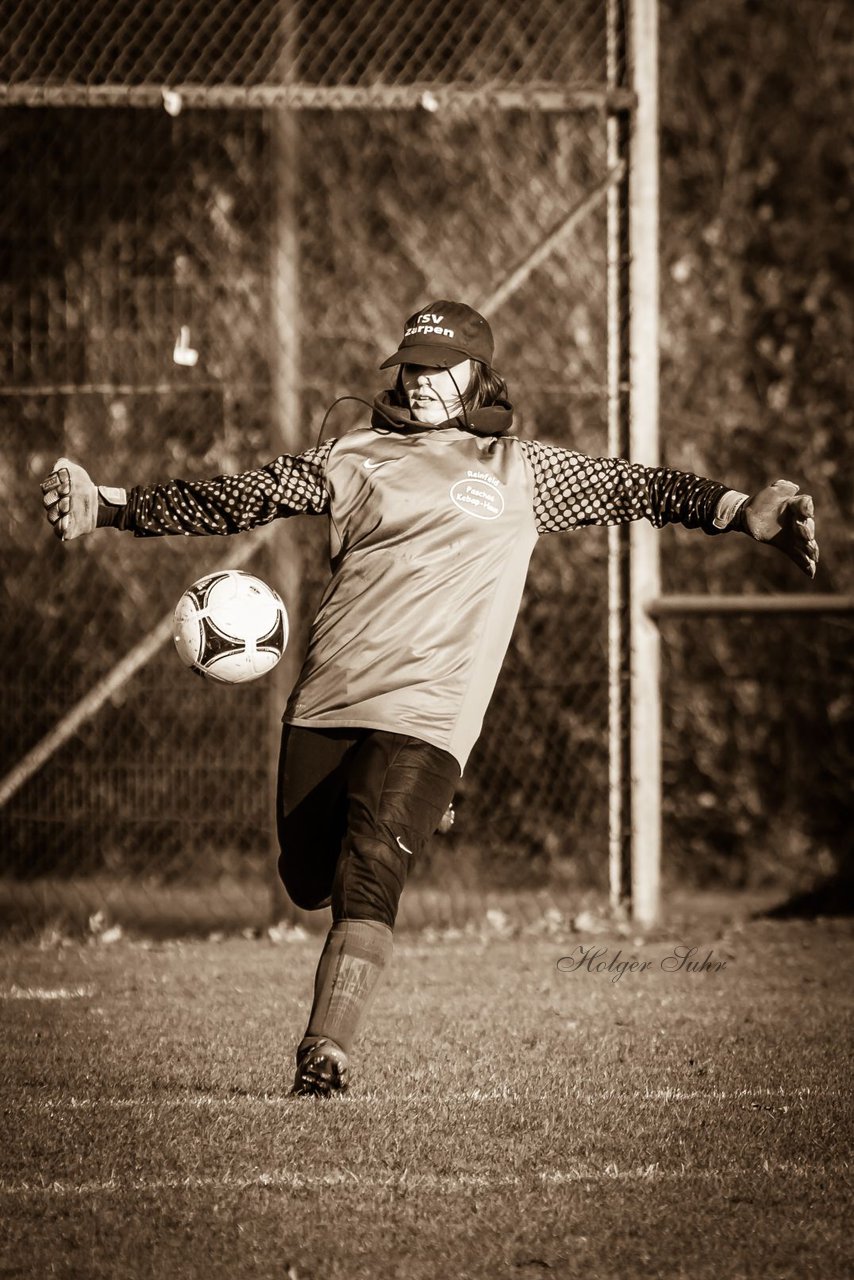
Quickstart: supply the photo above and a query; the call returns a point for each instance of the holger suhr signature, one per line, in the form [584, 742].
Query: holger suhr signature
[680, 959]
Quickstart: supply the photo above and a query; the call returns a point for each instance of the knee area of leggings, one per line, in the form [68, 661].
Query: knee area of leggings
[385, 856]
[370, 880]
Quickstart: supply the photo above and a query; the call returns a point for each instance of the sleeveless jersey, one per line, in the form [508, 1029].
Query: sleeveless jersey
[431, 535]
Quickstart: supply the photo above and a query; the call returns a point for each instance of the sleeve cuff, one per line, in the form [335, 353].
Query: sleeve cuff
[728, 510]
[111, 507]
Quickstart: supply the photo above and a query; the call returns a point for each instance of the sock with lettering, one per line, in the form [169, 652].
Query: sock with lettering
[353, 958]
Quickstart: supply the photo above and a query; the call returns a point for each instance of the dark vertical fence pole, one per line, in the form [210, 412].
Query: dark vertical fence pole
[287, 427]
[618, 310]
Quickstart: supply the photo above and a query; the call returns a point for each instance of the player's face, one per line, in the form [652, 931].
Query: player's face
[434, 394]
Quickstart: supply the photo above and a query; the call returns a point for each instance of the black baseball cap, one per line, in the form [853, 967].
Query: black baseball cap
[442, 334]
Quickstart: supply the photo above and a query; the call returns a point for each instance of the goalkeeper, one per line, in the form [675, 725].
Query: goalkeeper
[434, 508]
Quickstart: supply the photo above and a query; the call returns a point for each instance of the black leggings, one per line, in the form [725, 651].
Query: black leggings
[355, 807]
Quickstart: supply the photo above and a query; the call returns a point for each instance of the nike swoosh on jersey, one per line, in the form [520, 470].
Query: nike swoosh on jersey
[372, 466]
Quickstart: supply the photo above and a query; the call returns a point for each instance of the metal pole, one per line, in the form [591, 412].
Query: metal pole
[677, 606]
[618, 298]
[287, 431]
[645, 708]
[291, 95]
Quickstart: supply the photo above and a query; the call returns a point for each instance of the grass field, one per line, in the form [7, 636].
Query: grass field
[509, 1116]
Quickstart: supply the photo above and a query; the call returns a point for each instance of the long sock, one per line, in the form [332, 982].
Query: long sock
[353, 958]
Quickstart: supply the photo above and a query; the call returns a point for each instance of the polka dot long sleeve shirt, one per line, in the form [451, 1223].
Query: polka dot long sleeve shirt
[430, 538]
[570, 490]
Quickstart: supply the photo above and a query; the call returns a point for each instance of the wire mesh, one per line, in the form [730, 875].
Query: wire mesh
[123, 225]
[245, 44]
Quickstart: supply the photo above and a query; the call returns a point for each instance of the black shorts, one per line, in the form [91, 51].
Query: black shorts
[355, 808]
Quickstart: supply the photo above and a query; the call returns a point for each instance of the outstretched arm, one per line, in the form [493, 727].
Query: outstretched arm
[572, 490]
[289, 485]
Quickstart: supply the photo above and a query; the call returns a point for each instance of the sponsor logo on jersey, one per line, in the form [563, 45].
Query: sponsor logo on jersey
[483, 475]
[478, 496]
[372, 466]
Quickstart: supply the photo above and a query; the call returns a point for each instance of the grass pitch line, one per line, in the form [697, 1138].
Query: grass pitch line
[287, 1180]
[47, 993]
[226, 1102]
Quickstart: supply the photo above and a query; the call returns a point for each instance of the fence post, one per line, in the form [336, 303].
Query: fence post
[617, 310]
[286, 427]
[645, 702]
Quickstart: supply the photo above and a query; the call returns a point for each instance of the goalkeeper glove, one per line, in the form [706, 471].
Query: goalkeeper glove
[776, 515]
[74, 504]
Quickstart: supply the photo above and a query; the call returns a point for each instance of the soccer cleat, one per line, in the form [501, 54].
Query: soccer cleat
[322, 1069]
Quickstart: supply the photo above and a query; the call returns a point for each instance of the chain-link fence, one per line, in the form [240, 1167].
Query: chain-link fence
[287, 181]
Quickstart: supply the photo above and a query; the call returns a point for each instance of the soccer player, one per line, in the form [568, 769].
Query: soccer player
[434, 508]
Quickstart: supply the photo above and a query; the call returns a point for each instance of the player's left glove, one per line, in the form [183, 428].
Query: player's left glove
[778, 514]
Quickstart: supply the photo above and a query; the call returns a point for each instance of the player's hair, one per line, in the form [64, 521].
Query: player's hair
[486, 387]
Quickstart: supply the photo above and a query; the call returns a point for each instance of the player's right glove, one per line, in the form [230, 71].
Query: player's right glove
[74, 504]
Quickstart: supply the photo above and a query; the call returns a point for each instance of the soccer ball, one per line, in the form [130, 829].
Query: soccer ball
[230, 626]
